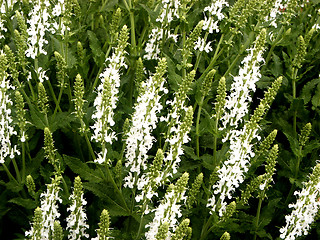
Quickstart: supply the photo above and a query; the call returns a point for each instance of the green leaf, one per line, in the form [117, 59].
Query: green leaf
[13, 186]
[153, 13]
[207, 161]
[38, 118]
[316, 98]
[105, 193]
[294, 144]
[276, 66]
[95, 47]
[82, 169]
[26, 203]
[190, 152]
[61, 120]
[308, 89]
[174, 79]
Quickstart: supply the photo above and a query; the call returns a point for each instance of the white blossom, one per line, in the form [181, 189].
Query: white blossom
[169, 209]
[213, 15]
[49, 207]
[201, 45]
[6, 124]
[168, 13]
[231, 174]
[107, 99]
[4, 8]
[276, 11]
[304, 210]
[76, 221]
[40, 23]
[237, 103]
[139, 138]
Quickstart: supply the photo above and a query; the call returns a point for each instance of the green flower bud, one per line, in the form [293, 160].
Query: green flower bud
[11, 63]
[42, 99]
[49, 147]
[250, 188]
[163, 231]
[3, 65]
[123, 40]
[156, 165]
[304, 136]
[214, 177]
[62, 69]
[181, 184]
[266, 143]
[161, 69]
[21, 115]
[309, 36]
[58, 231]
[194, 191]
[225, 236]
[206, 86]
[78, 96]
[104, 231]
[182, 230]
[21, 45]
[230, 209]
[264, 104]
[115, 23]
[118, 171]
[190, 41]
[270, 170]
[301, 52]
[30, 184]
[125, 128]
[139, 75]
[80, 51]
[36, 225]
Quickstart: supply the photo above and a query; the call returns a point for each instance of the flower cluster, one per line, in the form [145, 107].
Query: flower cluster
[169, 209]
[237, 103]
[107, 96]
[49, 210]
[213, 15]
[231, 174]
[139, 139]
[305, 209]
[76, 221]
[6, 128]
[39, 22]
[168, 13]
[104, 231]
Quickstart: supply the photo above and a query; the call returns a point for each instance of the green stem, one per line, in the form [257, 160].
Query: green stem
[100, 70]
[257, 218]
[197, 128]
[89, 146]
[9, 173]
[205, 231]
[274, 44]
[294, 96]
[54, 96]
[242, 49]
[16, 170]
[215, 140]
[23, 161]
[295, 177]
[133, 34]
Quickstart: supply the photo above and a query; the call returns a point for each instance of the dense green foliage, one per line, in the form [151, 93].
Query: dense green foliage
[56, 115]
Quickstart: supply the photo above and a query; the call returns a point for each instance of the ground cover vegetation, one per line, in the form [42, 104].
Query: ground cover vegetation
[173, 119]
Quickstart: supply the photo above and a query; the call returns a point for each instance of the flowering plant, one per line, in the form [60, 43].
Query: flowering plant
[159, 119]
